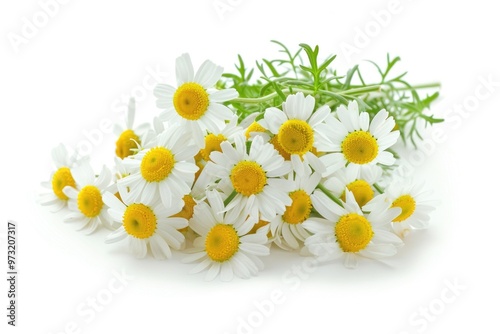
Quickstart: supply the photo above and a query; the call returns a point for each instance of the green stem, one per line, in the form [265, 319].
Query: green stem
[378, 188]
[330, 195]
[270, 96]
[422, 86]
[230, 198]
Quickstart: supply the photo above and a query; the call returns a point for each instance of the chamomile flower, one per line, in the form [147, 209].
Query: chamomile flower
[253, 180]
[214, 139]
[348, 233]
[286, 228]
[130, 136]
[358, 143]
[164, 171]
[146, 223]
[195, 104]
[361, 188]
[59, 179]
[85, 201]
[224, 247]
[413, 199]
[298, 131]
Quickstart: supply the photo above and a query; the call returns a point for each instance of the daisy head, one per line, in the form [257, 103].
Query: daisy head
[349, 233]
[253, 180]
[286, 228]
[165, 171]
[298, 131]
[349, 179]
[129, 137]
[60, 178]
[195, 103]
[359, 143]
[225, 247]
[414, 202]
[146, 224]
[85, 200]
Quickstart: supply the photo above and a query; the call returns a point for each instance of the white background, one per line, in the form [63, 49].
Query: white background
[76, 70]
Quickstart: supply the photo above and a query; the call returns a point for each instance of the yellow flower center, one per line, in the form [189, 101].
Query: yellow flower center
[300, 209]
[279, 148]
[90, 201]
[362, 191]
[126, 143]
[188, 208]
[62, 178]
[259, 224]
[248, 178]
[353, 232]
[254, 127]
[191, 101]
[157, 164]
[222, 242]
[360, 147]
[407, 205]
[212, 143]
[296, 136]
[139, 221]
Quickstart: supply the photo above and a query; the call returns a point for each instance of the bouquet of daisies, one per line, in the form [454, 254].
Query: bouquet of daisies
[300, 159]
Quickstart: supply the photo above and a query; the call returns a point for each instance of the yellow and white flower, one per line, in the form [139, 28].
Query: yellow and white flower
[195, 104]
[253, 180]
[86, 199]
[348, 233]
[358, 143]
[286, 228]
[361, 188]
[129, 137]
[146, 223]
[60, 178]
[413, 200]
[164, 171]
[298, 131]
[225, 248]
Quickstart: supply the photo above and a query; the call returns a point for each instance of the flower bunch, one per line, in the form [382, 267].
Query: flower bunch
[300, 158]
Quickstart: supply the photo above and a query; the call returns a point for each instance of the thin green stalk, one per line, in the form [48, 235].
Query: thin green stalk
[230, 198]
[330, 195]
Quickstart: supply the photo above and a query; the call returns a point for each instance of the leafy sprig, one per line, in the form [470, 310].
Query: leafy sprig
[303, 71]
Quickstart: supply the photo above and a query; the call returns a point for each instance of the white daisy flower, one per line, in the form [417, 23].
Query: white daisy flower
[413, 199]
[252, 180]
[224, 247]
[214, 139]
[287, 229]
[195, 104]
[146, 223]
[298, 131]
[362, 188]
[357, 142]
[59, 179]
[86, 199]
[165, 171]
[348, 232]
[130, 136]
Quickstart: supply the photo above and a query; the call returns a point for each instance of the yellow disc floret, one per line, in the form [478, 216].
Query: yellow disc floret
[254, 127]
[222, 242]
[90, 201]
[296, 136]
[212, 143]
[188, 208]
[62, 178]
[139, 221]
[407, 205]
[360, 147]
[191, 101]
[353, 232]
[125, 144]
[362, 191]
[157, 164]
[259, 224]
[300, 209]
[248, 178]
[277, 146]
